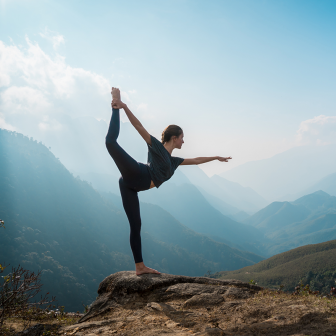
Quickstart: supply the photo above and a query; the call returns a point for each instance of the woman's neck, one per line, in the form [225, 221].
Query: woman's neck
[169, 147]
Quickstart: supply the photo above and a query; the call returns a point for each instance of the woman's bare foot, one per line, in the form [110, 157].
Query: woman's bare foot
[140, 268]
[115, 93]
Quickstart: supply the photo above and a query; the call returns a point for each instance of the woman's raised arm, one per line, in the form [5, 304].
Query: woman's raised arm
[200, 160]
[118, 104]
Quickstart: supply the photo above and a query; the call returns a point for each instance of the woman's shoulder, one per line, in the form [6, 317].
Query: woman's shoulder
[155, 142]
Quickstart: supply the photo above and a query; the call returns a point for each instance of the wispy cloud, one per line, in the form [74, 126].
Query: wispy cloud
[55, 38]
[319, 130]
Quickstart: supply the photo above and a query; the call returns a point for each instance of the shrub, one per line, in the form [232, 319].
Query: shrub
[17, 290]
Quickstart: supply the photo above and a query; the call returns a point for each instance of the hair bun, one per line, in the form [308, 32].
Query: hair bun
[169, 132]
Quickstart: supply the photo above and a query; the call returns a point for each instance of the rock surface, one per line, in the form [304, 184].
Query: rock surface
[128, 289]
[168, 305]
[152, 304]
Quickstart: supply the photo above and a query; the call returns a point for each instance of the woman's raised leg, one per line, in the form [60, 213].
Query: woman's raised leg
[128, 167]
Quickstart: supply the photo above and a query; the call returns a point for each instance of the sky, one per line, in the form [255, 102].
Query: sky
[246, 78]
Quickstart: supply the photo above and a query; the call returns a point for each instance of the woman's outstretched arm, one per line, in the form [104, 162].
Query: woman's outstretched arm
[118, 104]
[200, 160]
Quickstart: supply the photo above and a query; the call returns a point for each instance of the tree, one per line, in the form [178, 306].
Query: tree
[17, 290]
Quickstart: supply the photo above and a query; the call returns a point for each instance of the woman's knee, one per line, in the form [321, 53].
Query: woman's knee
[122, 184]
[110, 143]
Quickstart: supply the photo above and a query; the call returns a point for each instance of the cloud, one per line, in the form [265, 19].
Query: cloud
[50, 125]
[145, 114]
[37, 84]
[142, 107]
[55, 38]
[24, 100]
[320, 130]
[5, 125]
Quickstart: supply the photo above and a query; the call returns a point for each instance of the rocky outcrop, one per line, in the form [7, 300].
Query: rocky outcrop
[128, 289]
[151, 305]
[165, 304]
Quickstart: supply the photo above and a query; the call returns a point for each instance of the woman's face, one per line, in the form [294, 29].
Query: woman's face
[179, 141]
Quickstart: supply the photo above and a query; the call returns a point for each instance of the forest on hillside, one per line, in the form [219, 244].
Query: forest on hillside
[313, 265]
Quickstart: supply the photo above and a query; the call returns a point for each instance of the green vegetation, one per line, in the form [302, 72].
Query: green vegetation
[320, 281]
[313, 264]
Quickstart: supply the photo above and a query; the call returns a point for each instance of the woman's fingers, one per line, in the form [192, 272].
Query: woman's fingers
[225, 159]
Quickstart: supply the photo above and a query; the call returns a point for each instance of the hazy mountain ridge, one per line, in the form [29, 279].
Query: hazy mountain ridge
[309, 219]
[231, 193]
[287, 173]
[187, 204]
[326, 184]
[244, 197]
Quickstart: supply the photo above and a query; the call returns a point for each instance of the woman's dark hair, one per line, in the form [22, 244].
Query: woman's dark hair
[169, 132]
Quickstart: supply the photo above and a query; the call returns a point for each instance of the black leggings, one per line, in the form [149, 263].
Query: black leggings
[135, 177]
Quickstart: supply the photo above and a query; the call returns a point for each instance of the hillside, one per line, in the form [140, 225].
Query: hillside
[290, 267]
[61, 225]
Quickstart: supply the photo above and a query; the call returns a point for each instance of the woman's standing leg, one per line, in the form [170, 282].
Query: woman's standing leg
[132, 208]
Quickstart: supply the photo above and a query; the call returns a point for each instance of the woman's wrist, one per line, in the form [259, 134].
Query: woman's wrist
[118, 104]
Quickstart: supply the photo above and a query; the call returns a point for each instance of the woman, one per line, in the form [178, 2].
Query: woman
[137, 176]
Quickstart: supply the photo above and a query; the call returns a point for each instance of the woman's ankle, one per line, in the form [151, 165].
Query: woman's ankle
[140, 265]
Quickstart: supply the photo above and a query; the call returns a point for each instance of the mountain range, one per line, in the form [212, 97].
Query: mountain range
[308, 220]
[61, 225]
[77, 232]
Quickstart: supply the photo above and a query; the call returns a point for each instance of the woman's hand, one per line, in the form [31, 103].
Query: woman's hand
[117, 104]
[200, 160]
[116, 100]
[224, 159]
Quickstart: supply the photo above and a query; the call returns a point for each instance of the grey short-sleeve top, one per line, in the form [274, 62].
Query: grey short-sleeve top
[160, 163]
